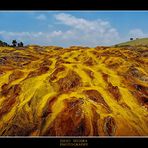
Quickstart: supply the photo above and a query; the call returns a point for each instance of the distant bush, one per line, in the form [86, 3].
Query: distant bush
[131, 39]
[14, 43]
[20, 44]
[116, 45]
[3, 44]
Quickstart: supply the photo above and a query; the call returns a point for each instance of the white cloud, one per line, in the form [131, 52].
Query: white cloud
[80, 32]
[137, 33]
[88, 32]
[28, 37]
[82, 24]
[41, 17]
[43, 38]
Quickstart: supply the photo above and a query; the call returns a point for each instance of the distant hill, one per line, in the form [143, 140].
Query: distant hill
[136, 42]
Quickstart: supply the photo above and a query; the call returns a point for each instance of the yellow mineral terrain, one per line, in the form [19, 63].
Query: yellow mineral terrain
[75, 91]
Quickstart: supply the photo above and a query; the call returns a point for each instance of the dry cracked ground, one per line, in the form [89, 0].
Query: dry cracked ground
[75, 91]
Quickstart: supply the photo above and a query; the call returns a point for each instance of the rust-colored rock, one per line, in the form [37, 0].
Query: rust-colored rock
[71, 81]
[8, 105]
[114, 90]
[89, 62]
[89, 73]
[70, 122]
[109, 126]
[97, 97]
[15, 75]
[53, 76]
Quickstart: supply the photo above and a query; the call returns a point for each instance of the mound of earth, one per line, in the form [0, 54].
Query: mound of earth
[75, 91]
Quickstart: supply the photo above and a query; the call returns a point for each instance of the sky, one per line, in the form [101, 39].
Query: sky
[68, 28]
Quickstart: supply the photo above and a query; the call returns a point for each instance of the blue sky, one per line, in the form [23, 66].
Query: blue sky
[67, 28]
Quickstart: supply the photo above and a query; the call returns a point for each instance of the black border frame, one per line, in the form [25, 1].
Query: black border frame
[73, 5]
